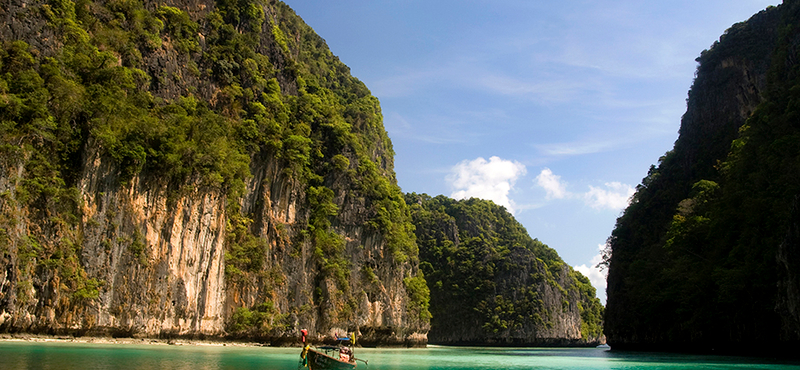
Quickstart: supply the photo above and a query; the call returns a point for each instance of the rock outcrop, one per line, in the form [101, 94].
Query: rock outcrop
[492, 284]
[209, 169]
[703, 259]
[135, 230]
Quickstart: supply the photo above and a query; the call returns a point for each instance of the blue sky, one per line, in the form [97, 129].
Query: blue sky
[554, 109]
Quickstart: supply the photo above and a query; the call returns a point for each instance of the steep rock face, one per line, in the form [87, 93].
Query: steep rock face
[788, 300]
[491, 284]
[162, 263]
[731, 79]
[238, 183]
[784, 81]
[704, 257]
[378, 307]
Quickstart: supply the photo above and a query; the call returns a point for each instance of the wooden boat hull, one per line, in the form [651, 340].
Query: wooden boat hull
[320, 361]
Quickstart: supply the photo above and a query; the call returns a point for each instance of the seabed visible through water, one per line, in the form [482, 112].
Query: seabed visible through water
[60, 354]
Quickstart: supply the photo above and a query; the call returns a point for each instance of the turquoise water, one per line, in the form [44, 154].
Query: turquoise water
[65, 355]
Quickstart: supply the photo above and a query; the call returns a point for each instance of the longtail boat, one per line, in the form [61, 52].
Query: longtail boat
[335, 357]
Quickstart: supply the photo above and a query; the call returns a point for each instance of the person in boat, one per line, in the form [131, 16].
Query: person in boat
[346, 354]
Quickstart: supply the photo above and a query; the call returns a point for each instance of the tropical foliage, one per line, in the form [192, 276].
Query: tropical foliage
[694, 258]
[485, 272]
[236, 93]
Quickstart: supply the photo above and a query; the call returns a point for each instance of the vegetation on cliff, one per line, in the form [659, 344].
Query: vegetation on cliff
[186, 101]
[193, 168]
[694, 260]
[490, 282]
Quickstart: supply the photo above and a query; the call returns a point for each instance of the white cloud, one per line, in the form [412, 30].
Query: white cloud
[552, 184]
[492, 180]
[596, 276]
[616, 195]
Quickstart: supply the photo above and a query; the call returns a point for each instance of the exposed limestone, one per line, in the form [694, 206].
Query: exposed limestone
[156, 250]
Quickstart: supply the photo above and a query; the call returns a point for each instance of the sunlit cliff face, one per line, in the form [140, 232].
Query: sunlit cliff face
[203, 171]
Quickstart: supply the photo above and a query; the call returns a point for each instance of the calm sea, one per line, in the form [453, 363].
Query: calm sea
[65, 355]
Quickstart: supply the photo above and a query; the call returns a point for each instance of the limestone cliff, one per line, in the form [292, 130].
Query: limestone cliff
[729, 85]
[198, 169]
[704, 258]
[492, 284]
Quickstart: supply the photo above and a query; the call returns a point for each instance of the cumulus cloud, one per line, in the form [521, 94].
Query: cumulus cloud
[492, 180]
[596, 275]
[552, 184]
[615, 195]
